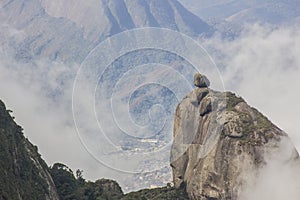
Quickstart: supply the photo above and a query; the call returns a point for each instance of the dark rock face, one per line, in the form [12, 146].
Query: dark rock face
[23, 174]
[218, 137]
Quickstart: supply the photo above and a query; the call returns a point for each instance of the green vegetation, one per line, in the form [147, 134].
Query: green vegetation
[71, 188]
[164, 193]
[255, 126]
[262, 122]
[255, 131]
[232, 100]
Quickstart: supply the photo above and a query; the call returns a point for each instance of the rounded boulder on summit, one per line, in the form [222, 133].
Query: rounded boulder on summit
[201, 80]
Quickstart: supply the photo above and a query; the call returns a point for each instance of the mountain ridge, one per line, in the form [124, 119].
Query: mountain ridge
[69, 31]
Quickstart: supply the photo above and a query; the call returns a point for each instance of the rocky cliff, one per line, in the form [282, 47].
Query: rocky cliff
[23, 174]
[218, 140]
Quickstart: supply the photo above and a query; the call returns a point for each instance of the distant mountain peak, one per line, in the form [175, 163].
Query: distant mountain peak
[69, 29]
[119, 15]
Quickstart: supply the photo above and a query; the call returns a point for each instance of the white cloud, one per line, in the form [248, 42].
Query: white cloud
[279, 179]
